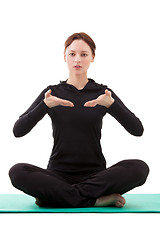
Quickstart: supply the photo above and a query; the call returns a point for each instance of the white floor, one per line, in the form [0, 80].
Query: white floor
[81, 226]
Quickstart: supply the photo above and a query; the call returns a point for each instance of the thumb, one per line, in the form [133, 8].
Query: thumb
[108, 93]
[91, 103]
[48, 93]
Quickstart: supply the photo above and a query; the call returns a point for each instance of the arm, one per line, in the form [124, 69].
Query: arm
[37, 111]
[115, 107]
[31, 117]
[125, 117]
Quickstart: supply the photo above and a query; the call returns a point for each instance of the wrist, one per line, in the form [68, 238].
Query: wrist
[46, 103]
[109, 104]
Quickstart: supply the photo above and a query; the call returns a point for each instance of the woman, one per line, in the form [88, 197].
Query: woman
[76, 175]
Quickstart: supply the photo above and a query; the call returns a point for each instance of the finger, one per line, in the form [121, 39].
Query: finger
[67, 103]
[92, 103]
[48, 93]
[108, 93]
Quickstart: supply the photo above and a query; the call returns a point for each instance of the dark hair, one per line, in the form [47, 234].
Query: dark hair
[82, 36]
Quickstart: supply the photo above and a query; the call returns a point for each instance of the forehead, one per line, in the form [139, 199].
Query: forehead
[79, 45]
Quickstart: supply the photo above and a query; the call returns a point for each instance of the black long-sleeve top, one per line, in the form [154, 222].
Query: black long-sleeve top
[77, 130]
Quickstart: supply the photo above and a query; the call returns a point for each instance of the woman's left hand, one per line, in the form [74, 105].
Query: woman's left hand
[104, 100]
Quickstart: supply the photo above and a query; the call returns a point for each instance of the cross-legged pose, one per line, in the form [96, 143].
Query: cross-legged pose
[76, 174]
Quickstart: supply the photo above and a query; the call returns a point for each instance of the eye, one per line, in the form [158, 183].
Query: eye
[84, 55]
[71, 54]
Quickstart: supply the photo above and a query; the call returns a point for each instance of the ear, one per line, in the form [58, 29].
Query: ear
[65, 56]
[92, 58]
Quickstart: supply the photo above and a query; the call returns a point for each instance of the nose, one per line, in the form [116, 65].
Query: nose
[77, 59]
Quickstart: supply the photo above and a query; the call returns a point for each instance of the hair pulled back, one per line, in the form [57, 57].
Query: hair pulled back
[82, 36]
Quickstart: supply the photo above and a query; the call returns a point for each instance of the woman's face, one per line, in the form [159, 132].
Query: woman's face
[78, 56]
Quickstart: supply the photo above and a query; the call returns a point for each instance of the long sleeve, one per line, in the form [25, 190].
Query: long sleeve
[31, 117]
[125, 117]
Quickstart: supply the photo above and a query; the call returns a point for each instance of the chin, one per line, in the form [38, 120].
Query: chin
[77, 73]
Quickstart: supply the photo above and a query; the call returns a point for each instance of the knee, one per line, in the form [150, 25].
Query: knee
[15, 173]
[142, 171]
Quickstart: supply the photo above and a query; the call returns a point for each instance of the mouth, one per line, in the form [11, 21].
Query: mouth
[77, 66]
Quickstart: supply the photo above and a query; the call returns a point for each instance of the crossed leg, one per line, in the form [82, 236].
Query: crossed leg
[49, 188]
[108, 185]
[103, 188]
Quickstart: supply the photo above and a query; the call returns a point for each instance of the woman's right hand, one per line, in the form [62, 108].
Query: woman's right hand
[52, 101]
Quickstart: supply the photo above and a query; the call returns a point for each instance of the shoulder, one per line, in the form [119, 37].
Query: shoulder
[99, 85]
[53, 87]
[57, 89]
[104, 86]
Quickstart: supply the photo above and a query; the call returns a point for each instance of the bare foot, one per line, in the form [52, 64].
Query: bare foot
[110, 200]
[39, 202]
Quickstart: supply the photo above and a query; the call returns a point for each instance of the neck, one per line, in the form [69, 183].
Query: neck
[79, 81]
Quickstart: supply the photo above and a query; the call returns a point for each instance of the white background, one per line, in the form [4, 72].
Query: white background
[32, 39]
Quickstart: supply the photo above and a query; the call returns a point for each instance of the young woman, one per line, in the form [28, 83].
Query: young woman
[76, 175]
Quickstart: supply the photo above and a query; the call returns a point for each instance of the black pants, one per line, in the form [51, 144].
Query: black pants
[59, 189]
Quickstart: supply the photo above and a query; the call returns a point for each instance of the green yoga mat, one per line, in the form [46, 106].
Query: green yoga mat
[135, 203]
